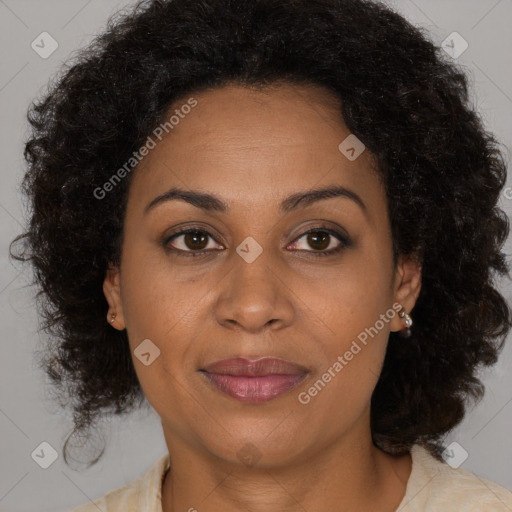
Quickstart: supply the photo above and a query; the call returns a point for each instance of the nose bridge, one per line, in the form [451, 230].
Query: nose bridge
[253, 295]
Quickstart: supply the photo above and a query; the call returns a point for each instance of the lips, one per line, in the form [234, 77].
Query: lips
[255, 367]
[257, 380]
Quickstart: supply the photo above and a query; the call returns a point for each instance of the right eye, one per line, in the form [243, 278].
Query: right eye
[193, 241]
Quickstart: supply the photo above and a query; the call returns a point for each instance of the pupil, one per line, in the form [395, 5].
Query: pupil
[320, 238]
[193, 238]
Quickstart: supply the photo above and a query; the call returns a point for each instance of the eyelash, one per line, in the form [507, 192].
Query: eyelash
[344, 242]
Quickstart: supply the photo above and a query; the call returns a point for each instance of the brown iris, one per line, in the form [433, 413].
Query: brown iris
[318, 240]
[196, 240]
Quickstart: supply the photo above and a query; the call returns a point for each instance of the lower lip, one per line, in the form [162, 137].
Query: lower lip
[254, 389]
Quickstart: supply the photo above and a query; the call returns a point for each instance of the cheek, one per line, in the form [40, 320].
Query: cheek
[357, 310]
[159, 309]
[348, 298]
[161, 306]
[353, 356]
[159, 300]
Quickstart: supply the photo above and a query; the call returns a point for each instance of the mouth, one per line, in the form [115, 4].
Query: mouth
[254, 381]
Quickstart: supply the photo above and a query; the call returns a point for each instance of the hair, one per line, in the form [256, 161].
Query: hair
[443, 174]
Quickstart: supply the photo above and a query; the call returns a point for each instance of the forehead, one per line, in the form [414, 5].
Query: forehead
[255, 145]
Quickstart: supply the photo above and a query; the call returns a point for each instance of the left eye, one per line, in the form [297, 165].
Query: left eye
[321, 240]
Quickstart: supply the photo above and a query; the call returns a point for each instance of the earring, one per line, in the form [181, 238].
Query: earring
[112, 318]
[406, 331]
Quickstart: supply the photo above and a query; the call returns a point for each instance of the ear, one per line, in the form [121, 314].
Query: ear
[407, 287]
[112, 291]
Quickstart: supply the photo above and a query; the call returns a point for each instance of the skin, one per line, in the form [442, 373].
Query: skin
[252, 149]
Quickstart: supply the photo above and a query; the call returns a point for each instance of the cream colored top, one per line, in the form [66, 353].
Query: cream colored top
[433, 486]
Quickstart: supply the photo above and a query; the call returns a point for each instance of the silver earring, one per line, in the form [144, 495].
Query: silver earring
[113, 317]
[406, 331]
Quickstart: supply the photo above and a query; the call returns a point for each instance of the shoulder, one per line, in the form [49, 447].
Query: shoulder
[143, 493]
[434, 485]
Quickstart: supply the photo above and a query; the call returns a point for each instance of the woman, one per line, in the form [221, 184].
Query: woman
[277, 222]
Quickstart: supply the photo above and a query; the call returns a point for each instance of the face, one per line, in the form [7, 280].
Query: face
[254, 265]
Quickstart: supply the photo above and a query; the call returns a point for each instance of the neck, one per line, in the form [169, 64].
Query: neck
[344, 475]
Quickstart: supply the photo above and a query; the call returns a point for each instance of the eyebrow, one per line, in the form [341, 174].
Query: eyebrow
[209, 202]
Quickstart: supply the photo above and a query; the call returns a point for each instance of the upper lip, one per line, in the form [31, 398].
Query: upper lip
[240, 366]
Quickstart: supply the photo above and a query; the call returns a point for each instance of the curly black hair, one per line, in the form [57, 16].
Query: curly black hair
[400, 95]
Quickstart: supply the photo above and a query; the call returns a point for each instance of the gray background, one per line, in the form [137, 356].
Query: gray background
[27, 414]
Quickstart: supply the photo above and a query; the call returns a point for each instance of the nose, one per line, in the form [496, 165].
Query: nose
[254, 297]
